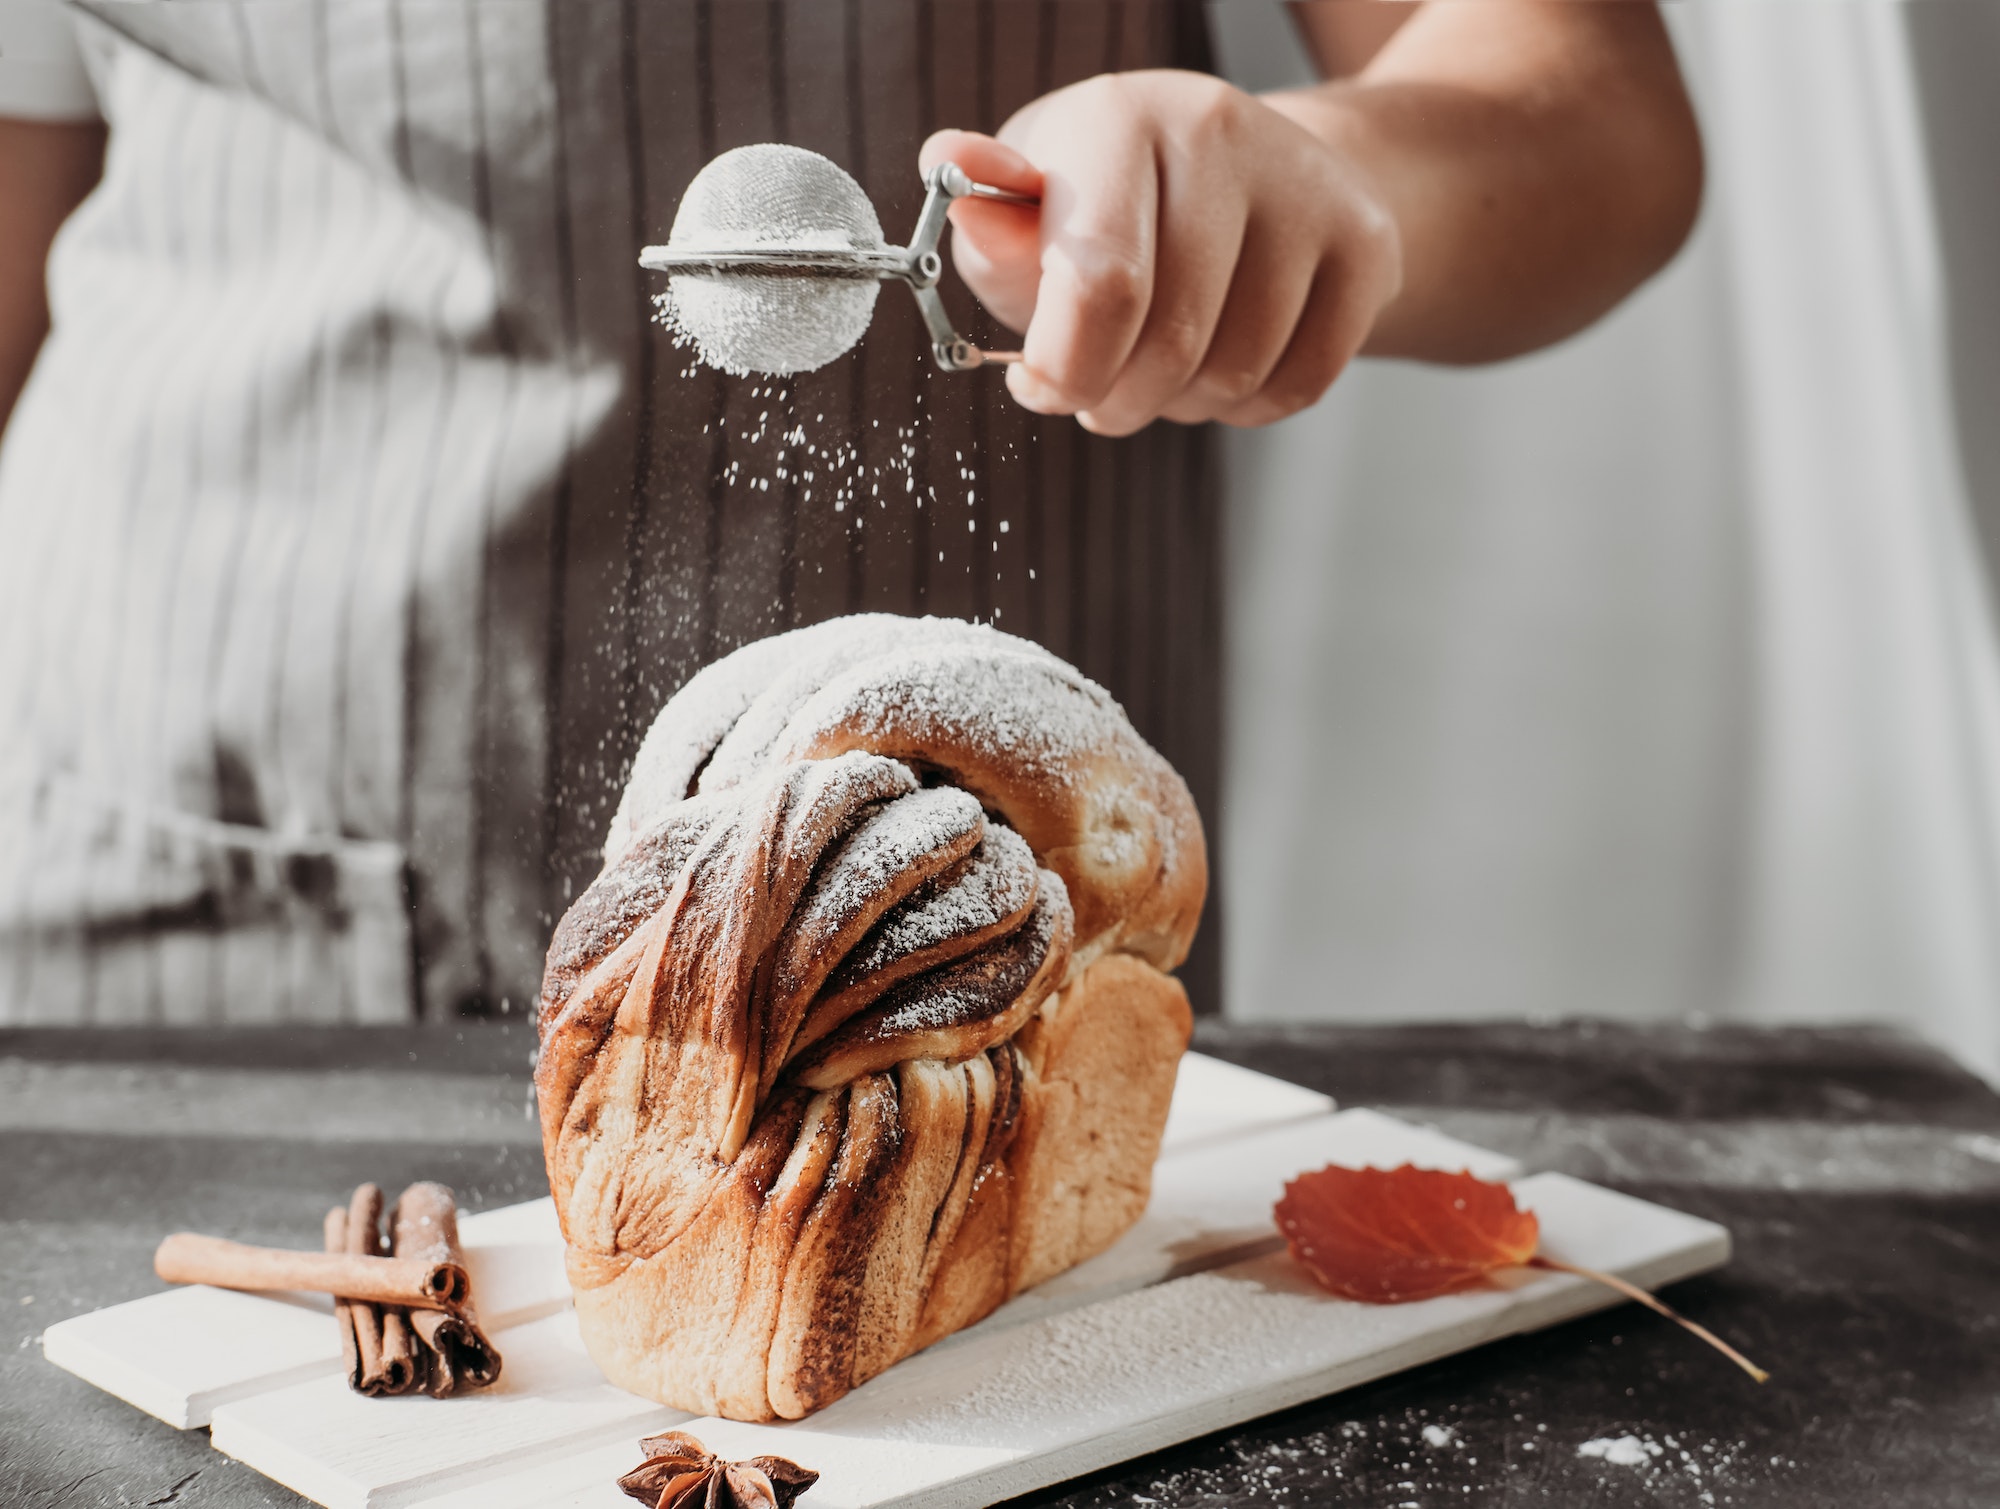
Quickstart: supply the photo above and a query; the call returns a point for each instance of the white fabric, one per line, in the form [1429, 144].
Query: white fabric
[1651, 676]
[1874, 857]
[41, 67]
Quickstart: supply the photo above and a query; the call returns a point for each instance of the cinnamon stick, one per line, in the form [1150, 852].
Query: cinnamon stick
[402, 1367]
[395, 1361]
[335, 1231]
[185, 1258]
[424, 1228]
[460, 1351]
[379, 1353]
[388, 1359]
[364, 1216]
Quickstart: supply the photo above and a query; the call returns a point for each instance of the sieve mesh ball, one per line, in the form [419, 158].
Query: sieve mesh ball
[771, 195]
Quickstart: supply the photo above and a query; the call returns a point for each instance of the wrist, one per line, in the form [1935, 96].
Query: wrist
[1372, 221]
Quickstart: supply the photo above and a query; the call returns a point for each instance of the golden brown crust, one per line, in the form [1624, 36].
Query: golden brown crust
[1083, 1160]
[864, 1026]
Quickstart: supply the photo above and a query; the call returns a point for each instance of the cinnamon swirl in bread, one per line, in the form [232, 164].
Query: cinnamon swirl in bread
[865, 1025]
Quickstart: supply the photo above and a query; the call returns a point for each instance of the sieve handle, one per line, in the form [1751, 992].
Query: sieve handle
[817, 262]
[942, 184]
[1005, 196]
[956, 183]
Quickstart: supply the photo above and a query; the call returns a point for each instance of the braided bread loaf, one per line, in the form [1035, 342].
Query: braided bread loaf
[865, 1025]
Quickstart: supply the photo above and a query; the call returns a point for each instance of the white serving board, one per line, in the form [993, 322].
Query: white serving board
[1194, 1320]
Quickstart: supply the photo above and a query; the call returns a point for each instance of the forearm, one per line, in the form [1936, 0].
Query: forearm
[1539, 160]
[45, 171]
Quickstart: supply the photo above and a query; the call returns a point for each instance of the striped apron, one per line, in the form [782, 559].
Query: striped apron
[357, 518]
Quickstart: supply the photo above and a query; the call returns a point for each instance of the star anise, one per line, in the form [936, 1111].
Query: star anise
[680, 1473]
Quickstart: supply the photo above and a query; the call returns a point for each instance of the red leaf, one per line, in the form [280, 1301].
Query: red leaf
[1385, 1236]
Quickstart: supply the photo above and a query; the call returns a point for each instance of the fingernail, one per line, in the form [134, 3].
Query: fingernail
[1099, 424]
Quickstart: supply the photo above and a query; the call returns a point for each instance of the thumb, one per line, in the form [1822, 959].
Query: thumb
[984, 159]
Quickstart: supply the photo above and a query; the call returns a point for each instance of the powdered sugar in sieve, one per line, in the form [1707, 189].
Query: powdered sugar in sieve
[776, 255]
[777, 197]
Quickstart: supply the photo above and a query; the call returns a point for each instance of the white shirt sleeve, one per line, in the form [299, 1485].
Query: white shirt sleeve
[41, 66]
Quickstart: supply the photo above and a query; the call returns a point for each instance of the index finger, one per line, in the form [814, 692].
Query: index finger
[995, 231]
[1100, 211]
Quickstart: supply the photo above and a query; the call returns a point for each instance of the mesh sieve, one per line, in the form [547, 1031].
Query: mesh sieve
[771, 195]
[775, 255]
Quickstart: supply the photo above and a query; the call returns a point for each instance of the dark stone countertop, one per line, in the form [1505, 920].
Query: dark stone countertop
[1859, 1173]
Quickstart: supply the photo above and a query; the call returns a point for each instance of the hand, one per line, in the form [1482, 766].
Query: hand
[1196, 254]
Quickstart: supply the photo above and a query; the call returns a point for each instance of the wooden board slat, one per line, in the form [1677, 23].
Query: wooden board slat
[587, 1479]
[180, 1354]
[1214, 1099]
[347, 1451]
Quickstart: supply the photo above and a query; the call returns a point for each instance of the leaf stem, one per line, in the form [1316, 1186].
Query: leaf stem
[1634, 1292]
